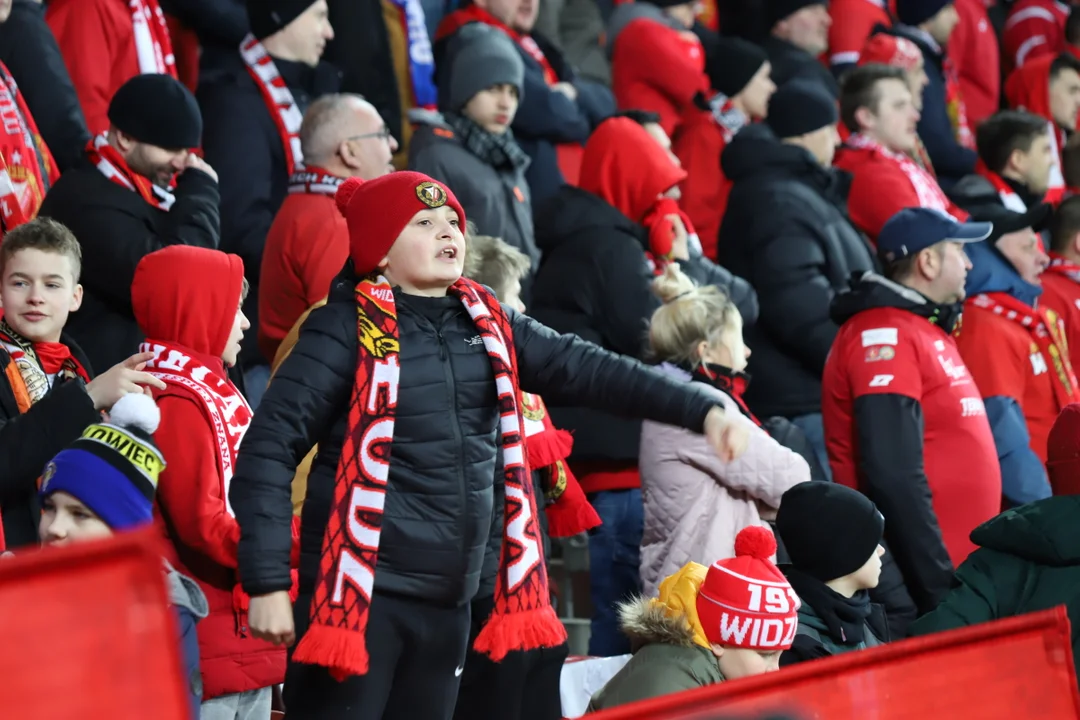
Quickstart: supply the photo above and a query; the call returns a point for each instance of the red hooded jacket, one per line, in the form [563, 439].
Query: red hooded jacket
[1028, 88]
[1034, 28]
[187, 297]
[973, 46]
[657, 68]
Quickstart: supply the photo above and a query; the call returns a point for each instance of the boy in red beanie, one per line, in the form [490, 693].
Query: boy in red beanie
[726, 622]
[409, 379]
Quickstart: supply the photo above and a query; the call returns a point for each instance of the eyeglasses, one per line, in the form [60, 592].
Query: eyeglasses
[383, 134]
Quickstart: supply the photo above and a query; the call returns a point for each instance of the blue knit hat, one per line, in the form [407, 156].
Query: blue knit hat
[113, 468]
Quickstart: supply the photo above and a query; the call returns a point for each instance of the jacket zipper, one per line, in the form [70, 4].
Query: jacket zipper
[455, 427]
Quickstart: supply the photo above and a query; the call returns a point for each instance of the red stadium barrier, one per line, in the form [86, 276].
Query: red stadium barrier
[1014, 668]
[86, 632]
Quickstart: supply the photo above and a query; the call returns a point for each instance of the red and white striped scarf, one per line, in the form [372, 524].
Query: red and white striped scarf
[926, 187]
[27, 169]
[153, 46]
[278, 98]
[114, 167]
[314, 181]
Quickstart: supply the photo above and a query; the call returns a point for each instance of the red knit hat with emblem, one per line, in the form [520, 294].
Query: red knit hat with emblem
[745, 601]
[376, 211]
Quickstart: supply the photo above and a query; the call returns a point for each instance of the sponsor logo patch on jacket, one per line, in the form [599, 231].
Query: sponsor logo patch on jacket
[880, 352]
[879, 336]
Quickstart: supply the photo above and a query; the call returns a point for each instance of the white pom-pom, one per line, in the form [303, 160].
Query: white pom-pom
[136, 410]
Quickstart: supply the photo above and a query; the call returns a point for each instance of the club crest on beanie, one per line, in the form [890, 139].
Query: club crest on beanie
[113, 468]
[376, 212]
[745, 601]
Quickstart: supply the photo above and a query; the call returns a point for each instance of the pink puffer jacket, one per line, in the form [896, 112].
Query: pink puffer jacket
[695, 503]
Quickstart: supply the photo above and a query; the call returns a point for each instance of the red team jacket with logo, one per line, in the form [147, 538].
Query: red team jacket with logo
[905, 424]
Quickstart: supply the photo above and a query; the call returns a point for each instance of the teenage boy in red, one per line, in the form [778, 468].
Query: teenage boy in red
[1049, 86]
[1061, 281]
[657, 63]
[878, 108]
[47, 396]
[405, 379]
[1016, 164]
[187, 301]
[904, 422]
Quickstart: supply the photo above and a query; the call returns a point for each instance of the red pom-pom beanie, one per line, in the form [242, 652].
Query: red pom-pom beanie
[745, 601]
[376, 211]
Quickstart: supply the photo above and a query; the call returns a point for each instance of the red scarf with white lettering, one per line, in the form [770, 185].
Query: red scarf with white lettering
[1063, 266]
[27, 169]
[203, 380]
[278, 98]
[1047, 331]
[523, 618]
[568, 511]
[153, 46]
[926, 187]
[314, 181]
[110, 164]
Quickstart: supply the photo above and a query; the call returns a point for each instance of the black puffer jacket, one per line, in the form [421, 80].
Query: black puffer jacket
[439, 511]
[786, 230]
[594, 281]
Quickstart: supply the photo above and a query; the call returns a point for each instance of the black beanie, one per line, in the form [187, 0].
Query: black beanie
[777, 10]
[733, 64]
[829, 530]
[916, 12]
[800, 107]
[269, 16]
[157, 110]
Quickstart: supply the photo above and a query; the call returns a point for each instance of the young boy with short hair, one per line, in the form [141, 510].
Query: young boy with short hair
[187, 301]
[48, 393]
[409, 380]
[729, 621]
[833, 537]
[104, 482]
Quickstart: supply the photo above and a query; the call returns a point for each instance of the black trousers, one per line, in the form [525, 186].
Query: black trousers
[417, 655]
[524, 686]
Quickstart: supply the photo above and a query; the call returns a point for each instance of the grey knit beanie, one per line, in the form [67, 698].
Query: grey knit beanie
[478, 57]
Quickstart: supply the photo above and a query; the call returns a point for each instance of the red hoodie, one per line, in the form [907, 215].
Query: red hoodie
[101, 49]
[1028, 88]
[627, 168]
[185, 300]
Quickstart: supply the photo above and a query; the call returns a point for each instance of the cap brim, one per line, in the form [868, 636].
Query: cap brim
[970, 232]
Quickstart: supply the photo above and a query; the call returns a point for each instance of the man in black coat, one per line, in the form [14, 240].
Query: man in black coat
[29, 50]
[120, 204]
[256, 148]
[798, 34]
[786, 230]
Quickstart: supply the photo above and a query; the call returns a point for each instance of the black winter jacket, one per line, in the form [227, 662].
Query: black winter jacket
[116, 229]
[786, 230]
[29, 49]
[439, 511]
[594, 281]
[29, 441]
[243, 145]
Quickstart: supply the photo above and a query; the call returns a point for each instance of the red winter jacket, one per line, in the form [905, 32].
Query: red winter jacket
[1034, 28]
[705, 190]
[191, 307]
[97, 40]
[880, 188]
[306, 247]
[973, 47]
[657, 68]
[853, 22]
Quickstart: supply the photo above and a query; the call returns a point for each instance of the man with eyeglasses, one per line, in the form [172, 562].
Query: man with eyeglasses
[342, 136]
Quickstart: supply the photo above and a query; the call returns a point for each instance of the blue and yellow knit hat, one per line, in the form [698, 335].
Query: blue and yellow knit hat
[113, 468]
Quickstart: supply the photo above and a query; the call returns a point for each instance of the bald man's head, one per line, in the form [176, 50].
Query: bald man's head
[345, 135]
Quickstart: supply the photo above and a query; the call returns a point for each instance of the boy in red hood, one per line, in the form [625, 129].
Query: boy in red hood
[1049, 86]
[187, 301]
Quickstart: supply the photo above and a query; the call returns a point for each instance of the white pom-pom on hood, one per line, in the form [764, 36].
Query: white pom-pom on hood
[136, 410]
